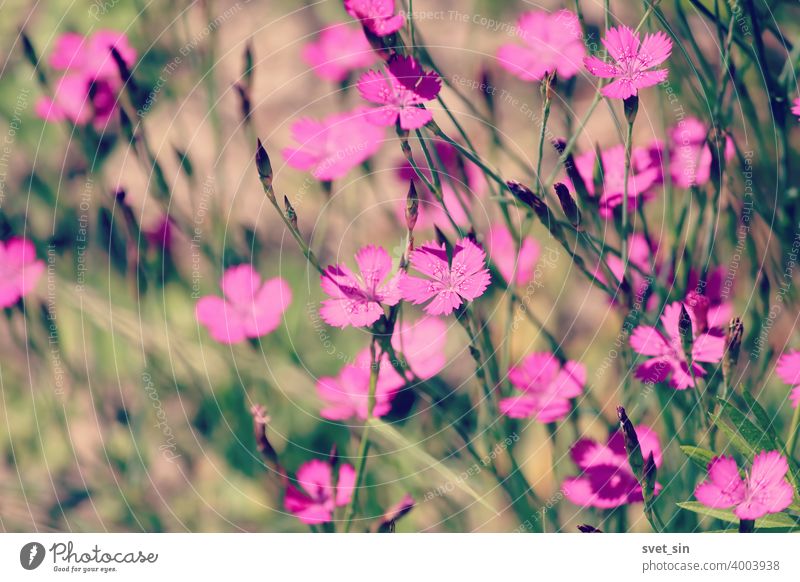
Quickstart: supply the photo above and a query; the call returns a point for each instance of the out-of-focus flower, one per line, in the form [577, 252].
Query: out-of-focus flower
[545, 388]
[339, 50]
[796, 108]
[607, 480]
[401, 91]
[315, 497]
[516, 268]
[331, 147]
[422, 344]
[552, 43]
[377, 15]
[20, 270]
[356, 299]
[763, 490]
[707, 301]
[690, 154]
[666, 351]
[160, 234]
[346, 396]
[88, 90]
[633, 61]
[250, 308]
[788, 370]
[447, 283]
[640, 256]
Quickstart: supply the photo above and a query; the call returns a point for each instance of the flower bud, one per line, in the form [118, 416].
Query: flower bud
[631, 106]
[263, 166]
[291, 215]
[733, 343]
[586, 528]
[631, 444]
[260, 421]
[699, 305]
[568, 205]
[686, 332]
[572, 171]
[412, 206]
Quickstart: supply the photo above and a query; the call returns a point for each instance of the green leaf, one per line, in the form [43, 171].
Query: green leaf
[738, 442]
[763, 420]
[701, 457]
[755, 440]
[774, 520]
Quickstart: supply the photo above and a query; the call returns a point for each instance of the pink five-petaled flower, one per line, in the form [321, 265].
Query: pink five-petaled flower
[552, 43]
[377, 15]
[764, 489]
[346, 396]
[448, 283]
[545, 388]
[632, 61]
[339, 50]
[331, 147]
[356, 299]
[707, 300]
[788, 370]
[516, 268]
[315, 497]
[20, 270]
[690, 154]
[796, 108]
[607, 480]
[250, 308]
[401, 91]
[667, 359]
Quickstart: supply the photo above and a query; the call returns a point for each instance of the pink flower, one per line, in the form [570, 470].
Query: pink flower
[788, 370]
[422, 344]
[707, 302]
[88, 90]
[516, 268]
[339, 50]
[764, 490]
[632, 61]
[690, 154]
[552, 43]
[401, 91]
[331, 147]
[377, 15]
[447, 282]
[640, 256]
[667, 359]
[545, 388]
[607, 480]
[20, 270]
[346, 396]
[250, 308]
[315, 497]
[796, 108]
[356, 299]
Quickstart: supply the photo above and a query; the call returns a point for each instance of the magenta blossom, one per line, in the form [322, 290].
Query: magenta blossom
[376, 15]
[346, 396]
[339, 50]
[401, 91]
[607, 480]
[545, 388]
[788, 371]
[552, 43]
[690, 154]
[763, 490]
[315, 497]
[250, 308]
[633, 61]
[667, 359]
[20, 270]
[707, 300]
[88, 90]
[421, 343]
[331, 147]
[796, 108]
[517, 268]
[641, 260]
[356, 299]
[447, 283]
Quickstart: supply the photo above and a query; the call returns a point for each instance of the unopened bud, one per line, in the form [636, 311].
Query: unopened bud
[733, 344]
[245, 106]
[631, 444]
[395, 512]
[264, 167]
[686, 332]
[586, 528]
[291, 215]
[548, 85]
[649, 480]
[412, 206]
[631, 106]
[260, 421]
[572, 171]
[568, 205]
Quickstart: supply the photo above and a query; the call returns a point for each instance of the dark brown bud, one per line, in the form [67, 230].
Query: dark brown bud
[412, 206]
[245, 106]
[291, 215]
[631, 444]
[733, 344]
[586, 528]
[263, 166]
[631, 106]
[260, 421]
[568, 205]
[686, 332]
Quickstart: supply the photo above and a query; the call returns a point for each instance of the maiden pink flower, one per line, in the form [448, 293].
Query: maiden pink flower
[250, 308]
[788, 370]
[552, 43]
[339, 50]
[706, 300]
[796, 108]
[346, 396]
[377, 15]
[516, 268]
[315, 496]
[20, 270]
[401, 91]
[607, 480]
[331, 147]
[667, 359]
[763, 490]
[421, 343]
[448, 282]
[690, 154]
[633, 61]
[356, 299]
[545, 388]
[640, 256]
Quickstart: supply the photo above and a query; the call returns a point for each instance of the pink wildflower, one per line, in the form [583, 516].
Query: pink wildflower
[20, 270]
[690, 154]
[796, 108]
[401, 91]
[331, 147]
[377, 15]
[632, 61]
[356, 299]
[422, 344]
[607, 480]
[552, 43]
[788, 370]
[315, 497]
[250, 308]
[667, 359]
[339, 50]
[516, 268]
[545, 388]
[706, 300]
[640, 256]
[763, 490]
[346, 396]
[447, 283]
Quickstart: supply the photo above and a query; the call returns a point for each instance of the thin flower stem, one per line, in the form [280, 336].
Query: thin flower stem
[794, 430]
[624, 232]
